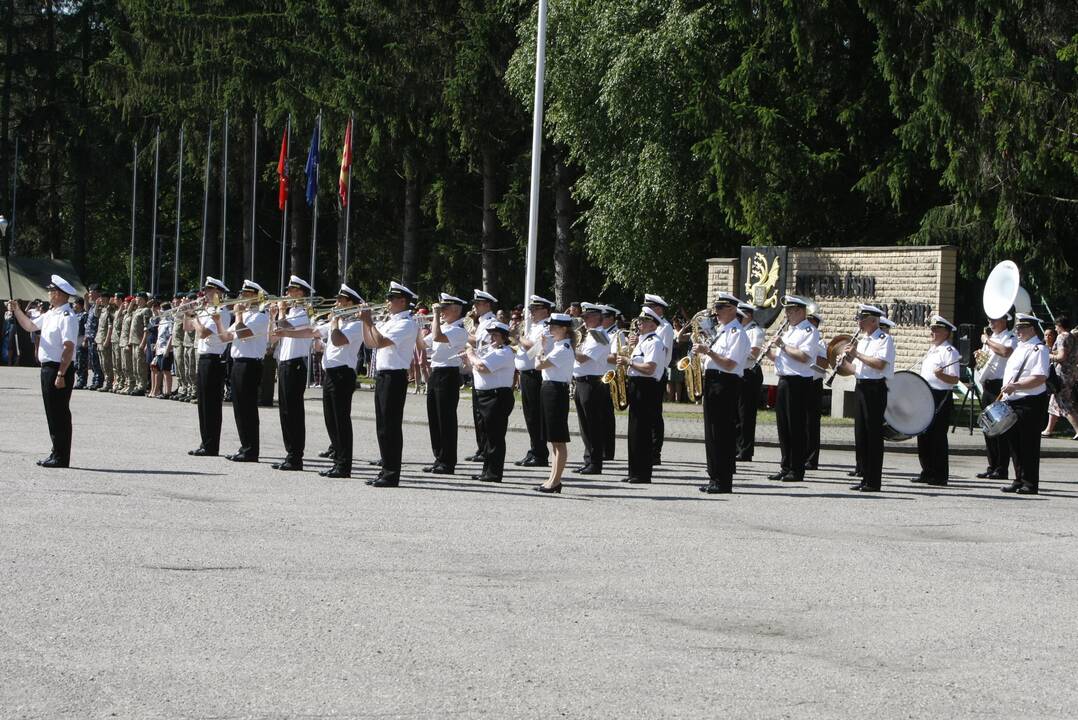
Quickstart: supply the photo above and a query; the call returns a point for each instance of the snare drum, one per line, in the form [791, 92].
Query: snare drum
[910, 406]
[997, 418]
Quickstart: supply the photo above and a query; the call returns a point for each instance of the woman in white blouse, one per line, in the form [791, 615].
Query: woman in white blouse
[557, 368]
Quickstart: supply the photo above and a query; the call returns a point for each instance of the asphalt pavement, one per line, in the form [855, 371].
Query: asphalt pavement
[143, 583]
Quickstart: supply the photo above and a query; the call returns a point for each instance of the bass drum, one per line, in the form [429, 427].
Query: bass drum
[910, 406]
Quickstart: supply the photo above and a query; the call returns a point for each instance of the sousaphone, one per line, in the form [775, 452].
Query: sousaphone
[1002, 291]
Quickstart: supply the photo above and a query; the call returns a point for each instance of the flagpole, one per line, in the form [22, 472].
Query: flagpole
[179, 203]
[348, 202]
[254, 189]
[537, 150]
[153, 214]
[11, 226]
[205, 204]
[314, 222]
[224, 200]
[284, 210]
[134, 196]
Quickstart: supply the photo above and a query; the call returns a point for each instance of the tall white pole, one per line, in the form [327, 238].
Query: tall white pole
[153, 214]
[347, 205]
[134, 197]
[537, 151]
[314, 221]
[179, 204]
[205, 204]
[224, 201]
[254, 190]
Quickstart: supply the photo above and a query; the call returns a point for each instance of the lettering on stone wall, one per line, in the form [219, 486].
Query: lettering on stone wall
[909, 313]
[839, 286]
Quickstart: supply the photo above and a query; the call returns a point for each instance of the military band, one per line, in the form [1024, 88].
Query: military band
[665, 333]
[122, 336]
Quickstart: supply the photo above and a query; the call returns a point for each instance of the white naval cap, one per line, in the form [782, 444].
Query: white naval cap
[478, 294]
[297, 282]
[534, 300]
[725, 298]
[1006, 317]
[348, 292]
[1026, 319]
[447, 298]
[499, 326]
[817, 315]
[887, 322]
[561, 319]
[863, 309]
[58, 283]
[398, 290]
[794, 301]
[590, 307]
[746, 307]
[611, 311]
[251, 286]
[647, 313]
[938, 321]
[212, 282]
[650, 299]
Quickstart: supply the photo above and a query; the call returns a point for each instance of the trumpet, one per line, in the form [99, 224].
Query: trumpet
[770, 344]
[351, 311]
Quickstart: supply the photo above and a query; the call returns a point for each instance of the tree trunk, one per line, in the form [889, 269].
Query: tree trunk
[410, 259]
[249, 239]
[5, 109]
[299, 215]
[490, 222]
[55, 237]
[79, 155]
[565, 216]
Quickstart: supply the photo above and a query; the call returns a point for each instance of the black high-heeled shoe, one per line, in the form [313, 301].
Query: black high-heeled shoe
[545, 489]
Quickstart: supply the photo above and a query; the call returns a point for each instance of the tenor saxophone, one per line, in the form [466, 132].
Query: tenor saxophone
[618, 378]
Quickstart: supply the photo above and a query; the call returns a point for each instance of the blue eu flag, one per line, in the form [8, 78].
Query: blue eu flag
[312, 168]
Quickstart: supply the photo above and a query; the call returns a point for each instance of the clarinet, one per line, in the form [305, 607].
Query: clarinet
[770, 344]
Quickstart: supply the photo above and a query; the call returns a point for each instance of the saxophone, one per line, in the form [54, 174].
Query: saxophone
[690, 364]
[618, 378]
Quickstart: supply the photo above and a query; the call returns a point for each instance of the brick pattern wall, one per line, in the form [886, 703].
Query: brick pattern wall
[910, 283]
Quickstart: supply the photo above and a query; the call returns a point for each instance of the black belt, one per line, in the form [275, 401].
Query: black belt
[555, 382]
[592, 379]
[392, 372]
[50, 364]
[531, 372]
[210, 355]
[494, 391]
[246, 360]
[795, 377]
[447, 368]
[718, 374]
[871, 381]
[293, 360]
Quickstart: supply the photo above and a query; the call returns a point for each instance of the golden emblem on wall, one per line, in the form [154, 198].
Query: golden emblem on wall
[761, 287]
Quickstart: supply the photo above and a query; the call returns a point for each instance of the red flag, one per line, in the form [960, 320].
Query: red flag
[346, 165]
[282, 173]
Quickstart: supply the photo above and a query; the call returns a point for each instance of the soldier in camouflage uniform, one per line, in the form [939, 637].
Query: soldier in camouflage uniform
[138, 378]
[104, 342]
[117, 347]
[125, 347]
[192, 360]
[179, 342]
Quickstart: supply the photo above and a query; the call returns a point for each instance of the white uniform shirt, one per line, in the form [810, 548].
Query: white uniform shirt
[596, 351]
[805, 338]
[212, 344]
[345, 355]
[615, 335]
[732, 343]
[940, 357]
[57, 326]
[993, 369]
[649, 348]
[756, 336]
[446, 354]
[561, 357]
[877, 345]
[289, 348]
[402, 330]
[538, 332]
[665, 331]
[254, 347]
[1019, 367]
[482, 335]
[500, 363]
[821, 352]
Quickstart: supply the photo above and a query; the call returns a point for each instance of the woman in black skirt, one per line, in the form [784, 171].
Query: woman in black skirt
[557, 367]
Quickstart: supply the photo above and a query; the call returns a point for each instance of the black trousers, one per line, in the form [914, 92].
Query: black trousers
[338, 386]
[95, 364]
[790, 405]
[1024, 438]
[443, 395]
[82, 363]
[609, 426]
[812, 422]
[58, 408]
[932, 447]
[659, 433]
[390, 392]
[211, 388]
[495, 406]
[592, 398]
[530, 383]
[998, 447]
[721, 395]
[871, 399]
[748, 403]
[246, 379]
[645, 406]
[291, 383]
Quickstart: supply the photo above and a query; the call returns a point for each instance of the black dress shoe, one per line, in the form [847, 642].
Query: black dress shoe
[486, 478]
[428, 468]
[937, 483]
[377, 462]
[57, 463]
[519, 462]
[1024, 490]
[811, 466]
[201, 452]
[639, 481]
[286, 465]
[608, 458]
[441, 470]
[868, 488]
[50, 458]
[792, 477]
[919, 479]
[743, 458]
[243, 458]
[1012, 488]
[858, 486]
[326, 453]
[556, 490]
[335, 473]
[532, 462]
[626, 479]
[388, 480]
[777, 476]
[589, 470]
[657, 462]
[987, 474]
[715, 489]
[854, 473]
